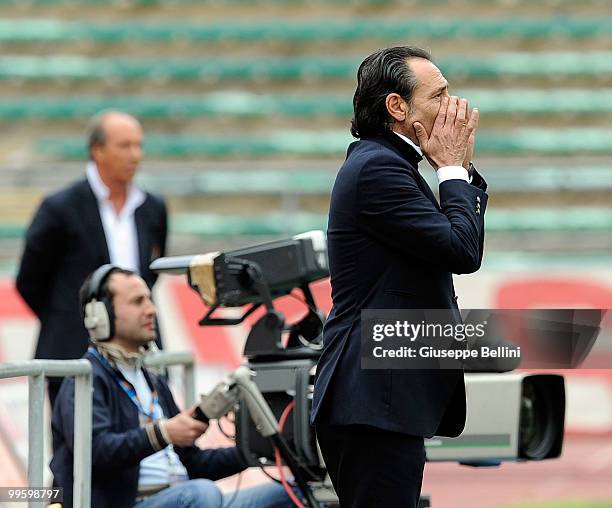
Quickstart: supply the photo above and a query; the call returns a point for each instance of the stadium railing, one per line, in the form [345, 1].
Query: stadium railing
[163, 359]
[36, 371]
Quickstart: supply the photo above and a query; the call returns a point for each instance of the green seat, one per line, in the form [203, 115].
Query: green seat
[244, 104]
[10, 230]
[320, 181]
[498, 220]
[551, 220]
[171, 106]
[54, 30]
[314, 181]
[542, 141]
[285, 142]
[499, 65]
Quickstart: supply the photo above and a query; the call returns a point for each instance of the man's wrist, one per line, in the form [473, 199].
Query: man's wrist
[161, 424]
[156, 437]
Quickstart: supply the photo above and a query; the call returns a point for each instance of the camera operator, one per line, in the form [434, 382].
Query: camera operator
[143, 451]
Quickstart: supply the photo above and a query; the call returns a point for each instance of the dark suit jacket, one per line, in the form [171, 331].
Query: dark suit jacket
[119, 443]
[66, 242]
[392, 246]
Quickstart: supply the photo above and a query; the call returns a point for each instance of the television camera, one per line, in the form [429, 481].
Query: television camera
[511, 416]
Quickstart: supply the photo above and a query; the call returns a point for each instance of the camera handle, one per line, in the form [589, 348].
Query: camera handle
[239, 385]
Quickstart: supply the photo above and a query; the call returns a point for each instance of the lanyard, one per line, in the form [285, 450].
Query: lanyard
[176, 471]
[130, 391]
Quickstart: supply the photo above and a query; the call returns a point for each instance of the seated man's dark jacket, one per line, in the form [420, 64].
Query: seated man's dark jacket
[119, 443]
[391, 245]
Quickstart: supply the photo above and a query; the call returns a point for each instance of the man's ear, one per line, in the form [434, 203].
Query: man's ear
[94, 152]
[396, 107]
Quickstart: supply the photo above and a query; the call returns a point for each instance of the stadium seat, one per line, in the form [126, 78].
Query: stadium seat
[571, 141]
[498, 221]
[239, 103]
[498, 65]
[320, 181]
[355, 29]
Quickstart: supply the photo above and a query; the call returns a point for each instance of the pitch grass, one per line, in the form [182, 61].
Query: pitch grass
[564, 504]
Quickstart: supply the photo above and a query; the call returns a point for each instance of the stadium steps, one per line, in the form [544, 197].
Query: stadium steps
[245, 104]
[290, 62]
[260, 190]
[498, 66]
[333, 143]
[264, 191]
[354, 29]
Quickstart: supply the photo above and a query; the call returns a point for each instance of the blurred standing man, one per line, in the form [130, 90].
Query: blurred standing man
[103, 218]
[393, 246]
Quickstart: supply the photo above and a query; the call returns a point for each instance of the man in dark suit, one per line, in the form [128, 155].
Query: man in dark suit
[393, 246]
[100, 219]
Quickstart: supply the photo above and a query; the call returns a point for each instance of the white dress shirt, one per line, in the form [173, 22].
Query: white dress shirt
[119, 229]
[444, 173]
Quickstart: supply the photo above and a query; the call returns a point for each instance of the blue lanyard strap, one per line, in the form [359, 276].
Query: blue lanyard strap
[129, 389]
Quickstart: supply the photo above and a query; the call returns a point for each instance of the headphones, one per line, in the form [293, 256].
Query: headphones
[98, 312]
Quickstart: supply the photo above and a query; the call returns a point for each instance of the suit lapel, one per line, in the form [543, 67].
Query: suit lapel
[90, 215]
[413, 158]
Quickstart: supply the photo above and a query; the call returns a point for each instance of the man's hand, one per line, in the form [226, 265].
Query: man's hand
[469, 155]
[449, 141]
[183, 430]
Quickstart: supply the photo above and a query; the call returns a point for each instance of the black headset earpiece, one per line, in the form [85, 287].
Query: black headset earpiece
[99, 315]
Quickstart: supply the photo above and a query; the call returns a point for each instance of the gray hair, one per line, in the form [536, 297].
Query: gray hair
[96, 135]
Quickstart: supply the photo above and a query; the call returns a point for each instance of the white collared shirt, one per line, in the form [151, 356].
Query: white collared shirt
[119, 230]
[444, 173]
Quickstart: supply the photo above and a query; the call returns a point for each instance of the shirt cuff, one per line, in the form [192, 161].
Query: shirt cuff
[453, 173]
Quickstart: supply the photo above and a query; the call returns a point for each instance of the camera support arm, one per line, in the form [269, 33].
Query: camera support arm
[240, 385]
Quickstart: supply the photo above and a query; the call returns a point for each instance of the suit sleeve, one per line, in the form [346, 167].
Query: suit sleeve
[394, 210]
[479, 182]
[160, 235]
[41, 256]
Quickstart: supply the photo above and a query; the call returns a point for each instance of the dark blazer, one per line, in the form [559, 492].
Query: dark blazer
[119, 443]
[392, 246]
[66, 242]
